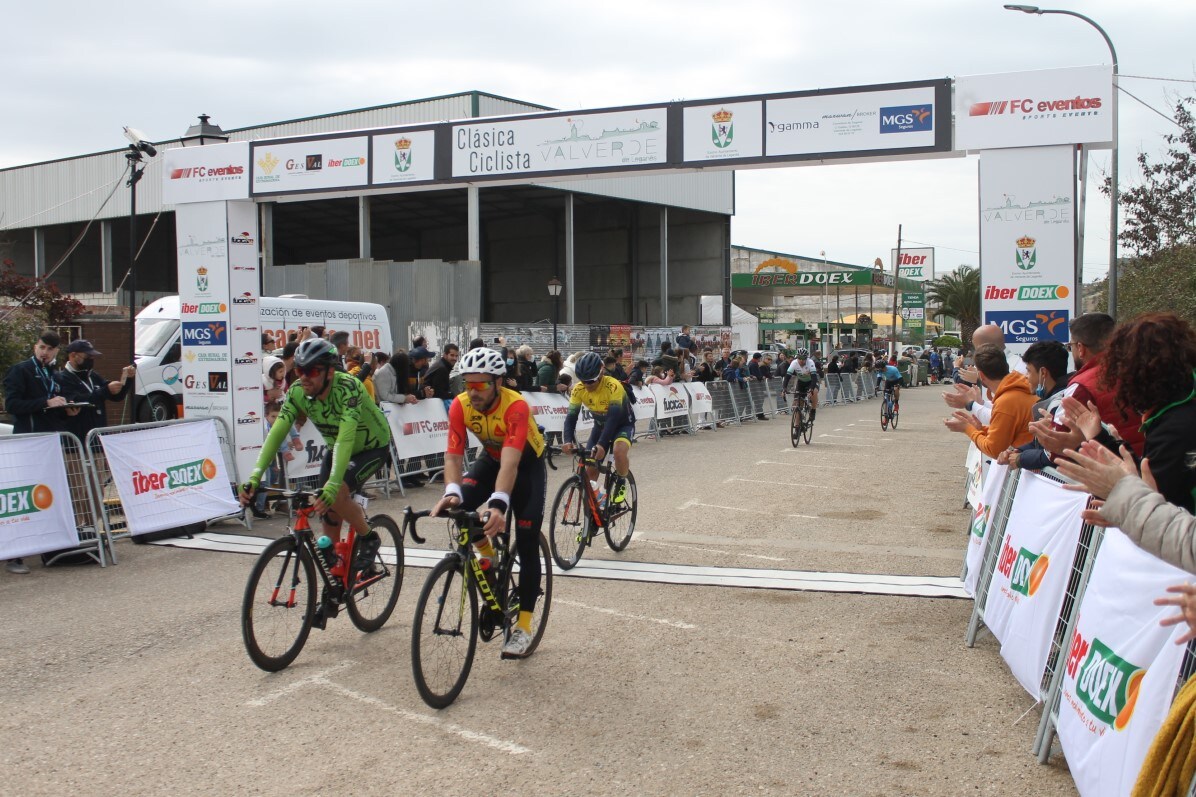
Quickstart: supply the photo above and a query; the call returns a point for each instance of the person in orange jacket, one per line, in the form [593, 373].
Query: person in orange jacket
[1012, 409]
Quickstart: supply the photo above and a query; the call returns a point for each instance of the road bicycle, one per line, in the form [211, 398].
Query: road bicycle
[280, 606]
[888, 411]
[801, 425]
[448, 622]
[578, 512]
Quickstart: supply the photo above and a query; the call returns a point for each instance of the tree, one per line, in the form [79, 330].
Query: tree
[39, 295]
[1162, 282]
[957, 295]
[1160, 213]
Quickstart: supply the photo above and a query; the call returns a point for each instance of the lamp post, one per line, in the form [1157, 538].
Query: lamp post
[1113, 194]
[203, 133]
[554, 290]
[826, 326]
[138, 146]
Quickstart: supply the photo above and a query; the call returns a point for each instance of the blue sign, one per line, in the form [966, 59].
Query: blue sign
[907, 119]
[205, 333]
[1030, 326]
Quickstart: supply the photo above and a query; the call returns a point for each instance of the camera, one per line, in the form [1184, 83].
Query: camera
[137, 139]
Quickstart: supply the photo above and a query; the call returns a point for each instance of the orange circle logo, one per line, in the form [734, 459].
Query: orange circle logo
[208, 468]
[43, 497]
[1062, 292]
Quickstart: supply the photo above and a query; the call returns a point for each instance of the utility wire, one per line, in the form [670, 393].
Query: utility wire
[1151, 107]
[1168, 79]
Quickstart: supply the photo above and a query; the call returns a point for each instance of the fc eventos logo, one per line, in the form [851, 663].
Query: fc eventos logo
[205, 333]
[722, 131]
[1106, 684]
[907, 119]
[1030, 326]
[25, 500]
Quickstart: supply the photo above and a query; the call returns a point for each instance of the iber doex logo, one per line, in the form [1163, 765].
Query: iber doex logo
[1024, 569]
[25, 500]
[1106, 684]
[187, 474]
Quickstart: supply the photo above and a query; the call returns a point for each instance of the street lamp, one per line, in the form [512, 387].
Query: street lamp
[138, 146]
[554, 290]
[203, 133]
[826, 326]
[1113, 194]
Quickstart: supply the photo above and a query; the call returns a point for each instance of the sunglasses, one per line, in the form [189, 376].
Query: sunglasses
[310, 370]
[478, 386]
[589, 381]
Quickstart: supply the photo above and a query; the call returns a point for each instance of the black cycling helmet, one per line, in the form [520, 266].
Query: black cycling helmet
[589, 367]
[316, 351]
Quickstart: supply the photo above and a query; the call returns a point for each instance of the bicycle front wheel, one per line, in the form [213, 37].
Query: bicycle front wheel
[795, 423]
[279, 603]
[375, 591]
[884, 414]
[543, 597]
[620, 517]
[893, 417]
[567, 524]
[444, 634]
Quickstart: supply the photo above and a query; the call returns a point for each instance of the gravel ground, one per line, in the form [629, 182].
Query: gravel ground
[133, 679]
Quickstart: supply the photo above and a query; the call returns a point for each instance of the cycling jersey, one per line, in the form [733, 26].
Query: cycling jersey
[348, 419]
[892, 374]
[609, 405]
[804, 371]
[509, 424]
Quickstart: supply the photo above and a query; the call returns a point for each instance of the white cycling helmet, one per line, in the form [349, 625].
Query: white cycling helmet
[802, 354]
[483, 361]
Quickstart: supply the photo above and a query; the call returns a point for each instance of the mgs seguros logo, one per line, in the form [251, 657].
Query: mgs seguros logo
[907, 119]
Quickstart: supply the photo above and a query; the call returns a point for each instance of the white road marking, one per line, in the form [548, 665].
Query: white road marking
[672, 623]
[781, 484]
[643, 539]
[297, 685]
[448, 727]
[691, 504]
[798, 464]
[848, 437]
[851, 445]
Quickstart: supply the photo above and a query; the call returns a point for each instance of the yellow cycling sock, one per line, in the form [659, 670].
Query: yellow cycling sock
[525, 621]
[486, 549]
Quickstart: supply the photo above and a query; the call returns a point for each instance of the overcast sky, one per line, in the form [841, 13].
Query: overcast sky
[79, 71]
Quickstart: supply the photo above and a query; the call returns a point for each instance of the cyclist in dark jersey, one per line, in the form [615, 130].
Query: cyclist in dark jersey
[614, 420]
[509, 473]
[354, 429]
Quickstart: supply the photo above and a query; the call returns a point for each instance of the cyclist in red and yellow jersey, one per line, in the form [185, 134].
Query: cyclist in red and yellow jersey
[509, 473]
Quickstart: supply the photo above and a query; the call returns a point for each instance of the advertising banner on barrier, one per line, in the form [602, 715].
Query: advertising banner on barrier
[35, 499]
[1033, 567]
[418, 429]
[700, 400]
[1121, 668]
[1028, 243]
[163, 483]
[550, 409]
[645, 404]
[974, 465]
[672, 401]
[308, 460]
[990, 492]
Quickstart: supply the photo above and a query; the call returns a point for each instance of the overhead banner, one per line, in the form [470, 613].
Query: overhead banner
[407, 157]
[719, 132]
[35, 498]
[1072, 106]
[1121, 668]
[167, 478]
[419, 429]
[982, 516]
[914, 264]
[1027, 243]
[205, 174]
[293, 166]
[1033, 567]
[890, 120]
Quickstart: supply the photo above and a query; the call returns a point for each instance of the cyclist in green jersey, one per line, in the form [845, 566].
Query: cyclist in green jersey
[354, 430]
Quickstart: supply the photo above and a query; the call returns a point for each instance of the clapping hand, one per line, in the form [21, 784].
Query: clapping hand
[1084, 418]
[1184, 598]
[1055, 440]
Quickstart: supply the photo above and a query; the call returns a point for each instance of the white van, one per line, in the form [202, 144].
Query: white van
[159, 346]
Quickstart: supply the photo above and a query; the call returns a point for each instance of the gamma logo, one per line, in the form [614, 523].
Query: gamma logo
[907, 119]
[1106, 684]
[25, 500]
[1030, 326]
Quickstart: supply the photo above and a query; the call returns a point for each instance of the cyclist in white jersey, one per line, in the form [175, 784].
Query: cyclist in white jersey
[803, 369]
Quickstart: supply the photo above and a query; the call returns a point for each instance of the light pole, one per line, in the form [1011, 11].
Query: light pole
[137, 147]
[1113, 194]
[554, 290]
[826, 327]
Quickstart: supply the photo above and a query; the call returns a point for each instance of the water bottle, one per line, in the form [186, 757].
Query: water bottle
[327, 551]
[599, 493]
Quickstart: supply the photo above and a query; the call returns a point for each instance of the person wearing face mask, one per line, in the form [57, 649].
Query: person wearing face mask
[80, 384]
[1046, 370]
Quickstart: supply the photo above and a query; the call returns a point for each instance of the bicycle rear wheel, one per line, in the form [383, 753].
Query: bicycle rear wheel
[279, 603]
[543, 600]
[620, 518]
[807, 429]
[444, 634]
[893, 418]
[567, 524]
[884, 414]
[372, 598]
[795, 424]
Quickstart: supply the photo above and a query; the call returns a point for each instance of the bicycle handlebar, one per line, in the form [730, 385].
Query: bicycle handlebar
[471, 520]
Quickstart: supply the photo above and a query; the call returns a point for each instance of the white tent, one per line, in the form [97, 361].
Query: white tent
[745, 327]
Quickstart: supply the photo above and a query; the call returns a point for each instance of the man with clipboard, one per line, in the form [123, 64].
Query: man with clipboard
[81, 385]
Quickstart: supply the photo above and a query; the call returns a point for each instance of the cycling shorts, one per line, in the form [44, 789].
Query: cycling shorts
[892, 383]
[807, 386]
[361, 467]
[626, 432]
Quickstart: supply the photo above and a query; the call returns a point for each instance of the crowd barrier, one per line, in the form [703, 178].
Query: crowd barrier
[1072, 607]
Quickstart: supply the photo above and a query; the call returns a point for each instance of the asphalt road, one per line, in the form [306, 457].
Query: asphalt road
[133, 679]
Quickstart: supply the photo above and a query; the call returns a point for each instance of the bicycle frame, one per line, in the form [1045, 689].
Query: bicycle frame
[469, 531]
[584, 461]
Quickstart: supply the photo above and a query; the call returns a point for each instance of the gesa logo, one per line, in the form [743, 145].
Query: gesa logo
[205, 333]
[1030, 326]
[907, 119]
[1106, 683]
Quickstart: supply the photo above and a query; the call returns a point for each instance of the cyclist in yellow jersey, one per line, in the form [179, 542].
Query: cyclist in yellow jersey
[614, 420]
[510, 473]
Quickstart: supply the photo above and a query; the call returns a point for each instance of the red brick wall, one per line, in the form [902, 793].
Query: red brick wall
[110, 336]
